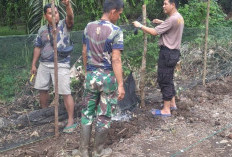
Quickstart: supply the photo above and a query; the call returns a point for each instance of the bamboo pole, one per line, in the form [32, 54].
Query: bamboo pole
[206, 43]
[143, 67]
[54, 33]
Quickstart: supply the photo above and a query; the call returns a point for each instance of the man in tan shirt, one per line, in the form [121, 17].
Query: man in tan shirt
[170, 32]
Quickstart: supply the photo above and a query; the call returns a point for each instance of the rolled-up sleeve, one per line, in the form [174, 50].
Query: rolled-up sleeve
[38, 41]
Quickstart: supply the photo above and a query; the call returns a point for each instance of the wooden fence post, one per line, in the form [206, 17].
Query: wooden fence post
[206, 43]
[143, 67]
[54, 33]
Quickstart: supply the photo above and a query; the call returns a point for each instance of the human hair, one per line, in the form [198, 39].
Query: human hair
[112, 4]
[176, 3]
[49, 5]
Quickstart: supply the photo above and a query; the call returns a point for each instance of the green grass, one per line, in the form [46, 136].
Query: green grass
[6, 30]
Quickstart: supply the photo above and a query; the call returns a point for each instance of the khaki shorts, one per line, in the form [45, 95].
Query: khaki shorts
[45, 75]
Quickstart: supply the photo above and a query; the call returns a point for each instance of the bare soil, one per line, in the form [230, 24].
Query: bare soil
[202, 126]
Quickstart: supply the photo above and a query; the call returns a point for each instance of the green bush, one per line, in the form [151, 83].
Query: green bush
[195, 11]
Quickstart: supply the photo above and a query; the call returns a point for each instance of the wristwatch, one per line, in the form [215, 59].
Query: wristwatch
[140, 26]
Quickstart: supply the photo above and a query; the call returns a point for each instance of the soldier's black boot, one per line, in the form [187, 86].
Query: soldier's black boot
[85, 140]
[100, 139]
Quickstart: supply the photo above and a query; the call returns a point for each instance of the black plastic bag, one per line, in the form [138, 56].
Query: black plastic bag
[130, 101]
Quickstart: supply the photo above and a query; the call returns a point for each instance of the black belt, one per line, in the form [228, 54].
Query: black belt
[166, 48]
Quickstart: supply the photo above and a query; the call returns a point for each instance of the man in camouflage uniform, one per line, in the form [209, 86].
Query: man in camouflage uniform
[102, 46]
[44, 50]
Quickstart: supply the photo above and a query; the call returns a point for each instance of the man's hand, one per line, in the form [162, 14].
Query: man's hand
[144, 28]
[137, 24]
[157, 21]
[33, 69]
[121, 92]
[35, 58]
[66, 2]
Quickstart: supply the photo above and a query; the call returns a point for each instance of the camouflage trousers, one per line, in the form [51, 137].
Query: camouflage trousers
[100, 98]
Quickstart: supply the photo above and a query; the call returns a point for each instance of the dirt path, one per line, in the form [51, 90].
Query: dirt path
[202, 126]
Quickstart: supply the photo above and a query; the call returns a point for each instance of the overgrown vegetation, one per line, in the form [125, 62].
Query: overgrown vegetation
[194, 14]
[27, 14]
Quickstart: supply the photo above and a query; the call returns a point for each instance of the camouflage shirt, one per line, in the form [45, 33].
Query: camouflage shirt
[43, 42]
[101, 37]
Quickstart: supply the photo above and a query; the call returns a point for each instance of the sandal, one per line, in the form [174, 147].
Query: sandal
[70, 129]
[156, 113]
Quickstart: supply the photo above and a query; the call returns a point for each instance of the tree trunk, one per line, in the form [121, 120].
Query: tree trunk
[38, 117]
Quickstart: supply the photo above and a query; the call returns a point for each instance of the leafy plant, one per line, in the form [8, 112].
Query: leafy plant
[194, 14]
[91, 8]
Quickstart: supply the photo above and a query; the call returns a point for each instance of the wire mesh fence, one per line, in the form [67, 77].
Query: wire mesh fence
[219, 55]
[16, 55]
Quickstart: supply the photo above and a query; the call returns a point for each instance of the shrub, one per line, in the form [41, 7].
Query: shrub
[195, 11]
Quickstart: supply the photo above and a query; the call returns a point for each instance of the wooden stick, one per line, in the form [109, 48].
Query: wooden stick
[122, 131]
[54, 33]
[206, 43]
[143, 67]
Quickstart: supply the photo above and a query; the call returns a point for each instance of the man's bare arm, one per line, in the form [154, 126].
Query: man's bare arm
[146, 29]
[117, 68]
[84, 56]
[69, 12]
[35, 59]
